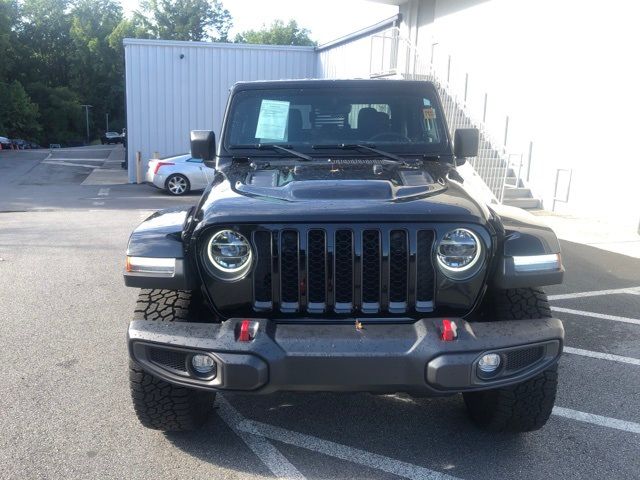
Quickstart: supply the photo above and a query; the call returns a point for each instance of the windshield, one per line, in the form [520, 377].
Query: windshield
[308, 118]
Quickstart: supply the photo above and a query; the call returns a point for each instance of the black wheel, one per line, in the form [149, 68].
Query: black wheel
[526, 406]
[158, 404]
[177, 184]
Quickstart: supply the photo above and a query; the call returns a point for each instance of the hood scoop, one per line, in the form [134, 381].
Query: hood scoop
[335, 181]
[345, 190]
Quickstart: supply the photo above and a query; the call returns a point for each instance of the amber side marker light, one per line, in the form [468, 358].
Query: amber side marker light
[161, 267]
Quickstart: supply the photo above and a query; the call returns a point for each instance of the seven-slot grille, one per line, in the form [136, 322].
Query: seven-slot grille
[341, 270]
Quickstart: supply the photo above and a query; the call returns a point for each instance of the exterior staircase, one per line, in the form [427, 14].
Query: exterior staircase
[492, 163]
[392, 55]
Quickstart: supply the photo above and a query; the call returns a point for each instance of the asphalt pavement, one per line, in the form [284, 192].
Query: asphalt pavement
[64, 399]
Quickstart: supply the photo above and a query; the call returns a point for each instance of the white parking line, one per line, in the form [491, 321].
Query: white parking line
[634, 321]
[260, 446]
[66, 164]
[595, 293]
[103, 192]
[602, 356]
[97, 204]
[597, 419]
[343, 452]
[61, 159]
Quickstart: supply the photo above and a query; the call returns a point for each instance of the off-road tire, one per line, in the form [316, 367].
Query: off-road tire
[520, 304]
[526, 406]
[158, 404]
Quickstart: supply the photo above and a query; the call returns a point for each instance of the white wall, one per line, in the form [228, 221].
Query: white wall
[349, 60]
[566, 73]
[168, 96]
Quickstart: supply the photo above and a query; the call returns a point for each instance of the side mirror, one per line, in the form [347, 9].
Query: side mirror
[203, 145]
[465, 144]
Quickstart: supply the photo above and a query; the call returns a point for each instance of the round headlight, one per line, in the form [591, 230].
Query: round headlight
[458, 253]
[230, 253]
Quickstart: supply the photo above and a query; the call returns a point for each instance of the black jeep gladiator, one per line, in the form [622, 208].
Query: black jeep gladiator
[337, 250]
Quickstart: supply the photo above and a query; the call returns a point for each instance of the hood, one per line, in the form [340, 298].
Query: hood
[340, 191]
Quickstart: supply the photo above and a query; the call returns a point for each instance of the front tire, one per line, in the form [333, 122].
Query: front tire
[177, 184]
[160, 405]
[526, 406]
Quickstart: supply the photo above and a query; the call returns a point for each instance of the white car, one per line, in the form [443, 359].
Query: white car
[180, 174]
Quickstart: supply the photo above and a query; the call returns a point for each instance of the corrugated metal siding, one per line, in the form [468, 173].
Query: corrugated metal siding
[167, 96]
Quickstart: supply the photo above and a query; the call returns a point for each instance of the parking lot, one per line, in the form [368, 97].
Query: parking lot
[64, 396]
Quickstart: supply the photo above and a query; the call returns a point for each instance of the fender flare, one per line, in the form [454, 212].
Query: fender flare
[160, 237]
[526, 236]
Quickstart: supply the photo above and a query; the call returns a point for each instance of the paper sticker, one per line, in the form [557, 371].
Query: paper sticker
[273, 119]
[429, 113]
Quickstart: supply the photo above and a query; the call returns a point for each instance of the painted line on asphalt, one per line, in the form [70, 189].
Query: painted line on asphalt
[64, 159]
[602, 356]
[342, 452]
[259, 445]
[65, 164]
[81, 149]
[595, 293]
[103, 192]
[615, 423]
[97, 204]
[603, 316]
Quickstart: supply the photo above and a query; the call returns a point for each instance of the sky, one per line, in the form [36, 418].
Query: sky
[326, 19]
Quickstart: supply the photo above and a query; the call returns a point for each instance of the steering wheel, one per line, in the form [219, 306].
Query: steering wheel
[390, 136]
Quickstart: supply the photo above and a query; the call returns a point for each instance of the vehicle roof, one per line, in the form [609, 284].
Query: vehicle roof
[319, 83]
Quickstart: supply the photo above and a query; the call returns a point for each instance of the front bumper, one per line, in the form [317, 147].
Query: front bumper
[407, 357]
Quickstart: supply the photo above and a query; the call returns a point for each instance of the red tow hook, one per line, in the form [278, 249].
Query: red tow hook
[449, 331]
[245, 331]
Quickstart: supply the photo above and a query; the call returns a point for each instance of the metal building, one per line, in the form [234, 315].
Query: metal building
[174, 87]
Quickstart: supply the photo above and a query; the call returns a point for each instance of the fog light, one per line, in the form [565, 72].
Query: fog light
[203, 364]
[489, 363]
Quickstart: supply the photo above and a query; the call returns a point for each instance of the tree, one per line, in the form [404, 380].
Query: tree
[278, 34]
[44, 40]
[60, 113]
[194, 20]
[18, 114]
[8, 41]
[96, 68]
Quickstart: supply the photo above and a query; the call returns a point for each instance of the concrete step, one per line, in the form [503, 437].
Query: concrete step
[526, 203]
[517, 192]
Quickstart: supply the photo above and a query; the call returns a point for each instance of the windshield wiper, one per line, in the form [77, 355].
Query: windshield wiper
[272, 146]
[362, 146]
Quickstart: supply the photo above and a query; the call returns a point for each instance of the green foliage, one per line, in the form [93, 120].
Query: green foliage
[18, 114]
[278, 33]
[60, 113]
[59, 54]
[97, 69]
[194, 20]
[44, 38]
[8, 18]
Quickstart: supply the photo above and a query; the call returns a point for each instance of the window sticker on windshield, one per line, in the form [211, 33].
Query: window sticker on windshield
[273, 119]
[429, 113]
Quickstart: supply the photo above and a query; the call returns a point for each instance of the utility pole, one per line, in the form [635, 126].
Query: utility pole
[86, 109]
[107, 115]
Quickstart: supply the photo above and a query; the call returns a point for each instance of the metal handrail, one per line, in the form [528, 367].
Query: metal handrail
[555, 188]
[493, 161]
